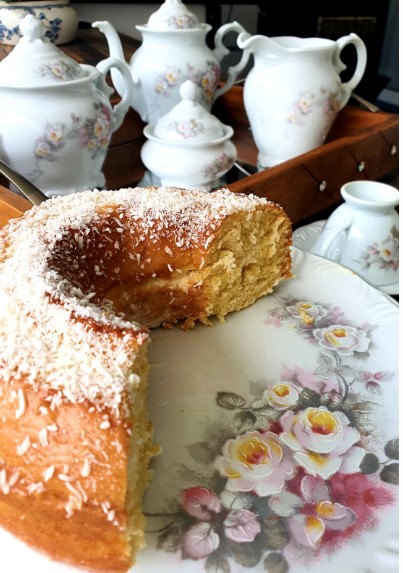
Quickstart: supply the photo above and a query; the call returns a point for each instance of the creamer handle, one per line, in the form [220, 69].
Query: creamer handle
[120, 109]
[347, 87]
[339, 221]
[220, 51]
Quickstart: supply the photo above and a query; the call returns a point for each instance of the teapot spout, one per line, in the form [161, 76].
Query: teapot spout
[112, 37]
[116, 51]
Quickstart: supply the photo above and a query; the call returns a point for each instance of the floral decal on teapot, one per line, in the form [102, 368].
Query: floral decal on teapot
[182, 22]
[173, 76]
[60, 70]
[92, 134]
[383, 254]
[328, 102]
[294, 471]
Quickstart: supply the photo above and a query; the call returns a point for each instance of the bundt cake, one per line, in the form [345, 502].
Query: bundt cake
[82, 279]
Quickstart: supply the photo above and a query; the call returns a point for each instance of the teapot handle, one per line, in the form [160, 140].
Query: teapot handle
[339, 221]
[120, 109]
[347, 87]
[220, 51]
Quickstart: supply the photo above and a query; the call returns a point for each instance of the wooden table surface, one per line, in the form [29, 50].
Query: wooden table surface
[11, 205]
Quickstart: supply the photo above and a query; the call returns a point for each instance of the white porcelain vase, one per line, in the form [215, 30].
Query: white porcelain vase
[59, 18]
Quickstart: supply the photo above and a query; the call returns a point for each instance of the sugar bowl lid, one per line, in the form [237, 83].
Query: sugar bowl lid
[188, 121]
[36, 61]
[172, 15]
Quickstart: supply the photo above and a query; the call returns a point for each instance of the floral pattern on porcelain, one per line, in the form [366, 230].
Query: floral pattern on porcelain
[92, 134]
[220, 165]
[298, 471]
[7, 33]
[383, 254]
[187, 129]
[327, 101]
[61, 70]
[52, 26]
[206, 79]
[182, 22]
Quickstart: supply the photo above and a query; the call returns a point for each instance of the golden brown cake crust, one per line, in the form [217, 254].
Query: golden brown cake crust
[64, 478]
[76, 273]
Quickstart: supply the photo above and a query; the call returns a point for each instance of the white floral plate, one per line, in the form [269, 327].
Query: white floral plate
[279, 432]
[304, 237]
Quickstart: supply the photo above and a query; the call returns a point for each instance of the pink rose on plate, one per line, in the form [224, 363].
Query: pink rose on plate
[345, 340]
[255, 462]
[282, 395]
[322, 441]
[307, 312]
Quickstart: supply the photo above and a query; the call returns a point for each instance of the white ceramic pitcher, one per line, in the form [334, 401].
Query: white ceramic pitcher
[294, 92]
[363, 233]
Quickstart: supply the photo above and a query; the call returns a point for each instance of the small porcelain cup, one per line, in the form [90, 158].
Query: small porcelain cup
[363, 234]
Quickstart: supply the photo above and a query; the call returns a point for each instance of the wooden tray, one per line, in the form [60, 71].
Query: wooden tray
[361, 145]
[11, 205]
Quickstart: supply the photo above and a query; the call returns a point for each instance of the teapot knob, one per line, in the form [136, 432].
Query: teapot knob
[189, 90]
[32, 28]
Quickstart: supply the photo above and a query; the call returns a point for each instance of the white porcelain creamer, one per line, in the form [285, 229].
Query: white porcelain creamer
[294, 92]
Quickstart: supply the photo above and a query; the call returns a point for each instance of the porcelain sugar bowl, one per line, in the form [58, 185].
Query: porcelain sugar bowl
[173, 50]
[189, 147]
[56, 120]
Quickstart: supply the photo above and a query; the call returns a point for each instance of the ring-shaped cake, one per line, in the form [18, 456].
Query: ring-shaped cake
[82, 280]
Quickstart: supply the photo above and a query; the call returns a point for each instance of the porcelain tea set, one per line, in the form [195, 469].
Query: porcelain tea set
[292, 95]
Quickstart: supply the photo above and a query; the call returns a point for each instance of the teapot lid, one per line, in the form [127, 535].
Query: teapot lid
[36, 61]
[173, 15]
[188, 120]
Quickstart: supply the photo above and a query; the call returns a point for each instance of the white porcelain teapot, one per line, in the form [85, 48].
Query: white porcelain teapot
[294, 91]
[174, 50]
[56, 120]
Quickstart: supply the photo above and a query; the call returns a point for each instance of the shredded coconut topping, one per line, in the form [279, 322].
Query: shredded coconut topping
[48, 321]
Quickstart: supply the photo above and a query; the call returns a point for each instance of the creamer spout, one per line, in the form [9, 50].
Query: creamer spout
[257, 44]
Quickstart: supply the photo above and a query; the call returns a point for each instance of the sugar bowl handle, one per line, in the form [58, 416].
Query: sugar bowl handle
[120, 109]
